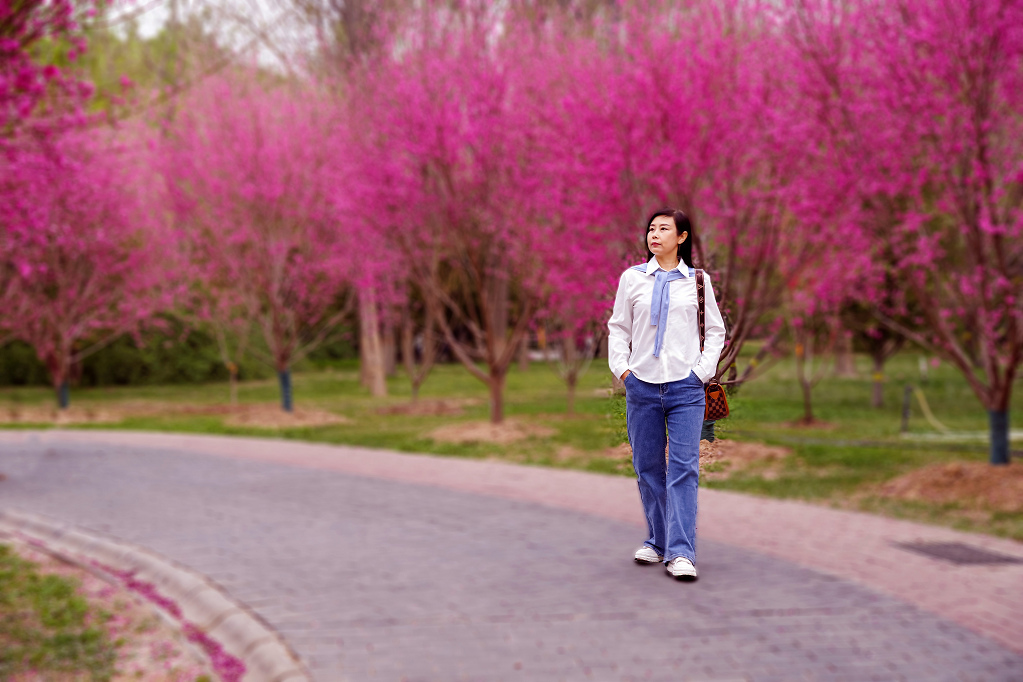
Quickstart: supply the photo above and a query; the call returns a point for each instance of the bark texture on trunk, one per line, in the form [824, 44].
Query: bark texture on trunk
[372, 369]
[807, 401]
[419, 369]
[496, 385]
[570, 362]
[845, 360]
[571, 380]
[524, 354]
[408, 355]
[804, 368]
[390, 351]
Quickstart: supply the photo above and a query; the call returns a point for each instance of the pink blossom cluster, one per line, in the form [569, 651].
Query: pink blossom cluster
[84, 256]
[35, 94]
[495, 164]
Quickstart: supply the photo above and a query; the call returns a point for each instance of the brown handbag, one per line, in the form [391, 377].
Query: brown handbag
[717, 405]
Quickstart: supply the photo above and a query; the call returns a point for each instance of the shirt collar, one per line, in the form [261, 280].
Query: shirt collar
[652, 267]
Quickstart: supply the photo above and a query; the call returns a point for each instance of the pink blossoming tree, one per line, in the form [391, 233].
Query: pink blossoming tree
[449, 176]
[87, 263]
[926, 96]
[251, 173]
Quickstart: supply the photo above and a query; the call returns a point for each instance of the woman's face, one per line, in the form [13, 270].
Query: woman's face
[662, 238]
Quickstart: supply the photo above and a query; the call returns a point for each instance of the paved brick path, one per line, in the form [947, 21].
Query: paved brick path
[377, 565]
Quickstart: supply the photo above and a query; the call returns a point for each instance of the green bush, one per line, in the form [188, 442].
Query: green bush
[171, 356]
[161, 358]
[335, 353]
[19, 366]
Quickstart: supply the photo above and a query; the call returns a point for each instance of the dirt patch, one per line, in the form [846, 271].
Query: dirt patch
[566, 453]
[152, 649]
[817, 425]
[263, 415]
[974, 485]
[430, 408]
[623, 452]
[508, 431]
[271, 416]
[40, 414]
[722, 458]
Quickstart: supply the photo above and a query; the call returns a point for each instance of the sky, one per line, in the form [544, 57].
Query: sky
[239, 24]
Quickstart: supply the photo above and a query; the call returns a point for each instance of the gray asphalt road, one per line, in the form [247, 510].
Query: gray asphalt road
[377, 580]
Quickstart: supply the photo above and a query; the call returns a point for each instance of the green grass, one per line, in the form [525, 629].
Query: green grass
[45, 627]
[536, 396]
[841, 464]
[860, 447]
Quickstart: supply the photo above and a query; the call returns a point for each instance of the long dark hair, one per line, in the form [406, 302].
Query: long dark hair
[682, 224]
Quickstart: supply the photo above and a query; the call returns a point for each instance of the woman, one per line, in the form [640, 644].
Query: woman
[654, 346]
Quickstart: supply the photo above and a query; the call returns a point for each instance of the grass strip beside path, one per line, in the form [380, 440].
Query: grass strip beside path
[47, 627]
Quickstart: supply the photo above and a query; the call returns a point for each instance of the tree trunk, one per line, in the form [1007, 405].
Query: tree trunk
[498, 310]
[419, 369]
[371, 349]
[496, 385]
[232, 379]
[804, 357]
[571, 380]
[63, 395]
[845, 360]
[877, 399]
[571, 370]
[363, 349]
[807, 401]
[284, 379]
[524, 354]
[59, 367]
[390, 351]
[999, 421]
[408, 355]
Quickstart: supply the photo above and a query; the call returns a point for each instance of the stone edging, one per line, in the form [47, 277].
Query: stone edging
[204, 604]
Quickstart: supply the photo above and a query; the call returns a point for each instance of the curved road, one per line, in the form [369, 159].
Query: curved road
[371, 577]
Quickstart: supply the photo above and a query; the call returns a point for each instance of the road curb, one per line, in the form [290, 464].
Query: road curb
[202, 603]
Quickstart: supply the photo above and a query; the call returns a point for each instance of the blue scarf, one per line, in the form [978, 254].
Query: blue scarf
[661, 301]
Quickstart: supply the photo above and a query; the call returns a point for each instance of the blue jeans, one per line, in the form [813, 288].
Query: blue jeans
[668, 492]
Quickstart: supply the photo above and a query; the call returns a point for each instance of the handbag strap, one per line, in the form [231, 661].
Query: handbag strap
[700, 307]
[702, 322]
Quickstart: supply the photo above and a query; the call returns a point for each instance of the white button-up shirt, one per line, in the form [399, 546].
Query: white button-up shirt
[631, 341]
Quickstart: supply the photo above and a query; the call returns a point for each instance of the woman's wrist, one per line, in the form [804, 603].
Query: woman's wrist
[625, 374]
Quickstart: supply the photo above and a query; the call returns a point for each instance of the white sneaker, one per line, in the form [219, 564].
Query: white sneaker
[646, 555]
[681, 568]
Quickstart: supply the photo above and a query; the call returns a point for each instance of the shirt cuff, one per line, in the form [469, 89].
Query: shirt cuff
[619, 371]
[702, 373]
